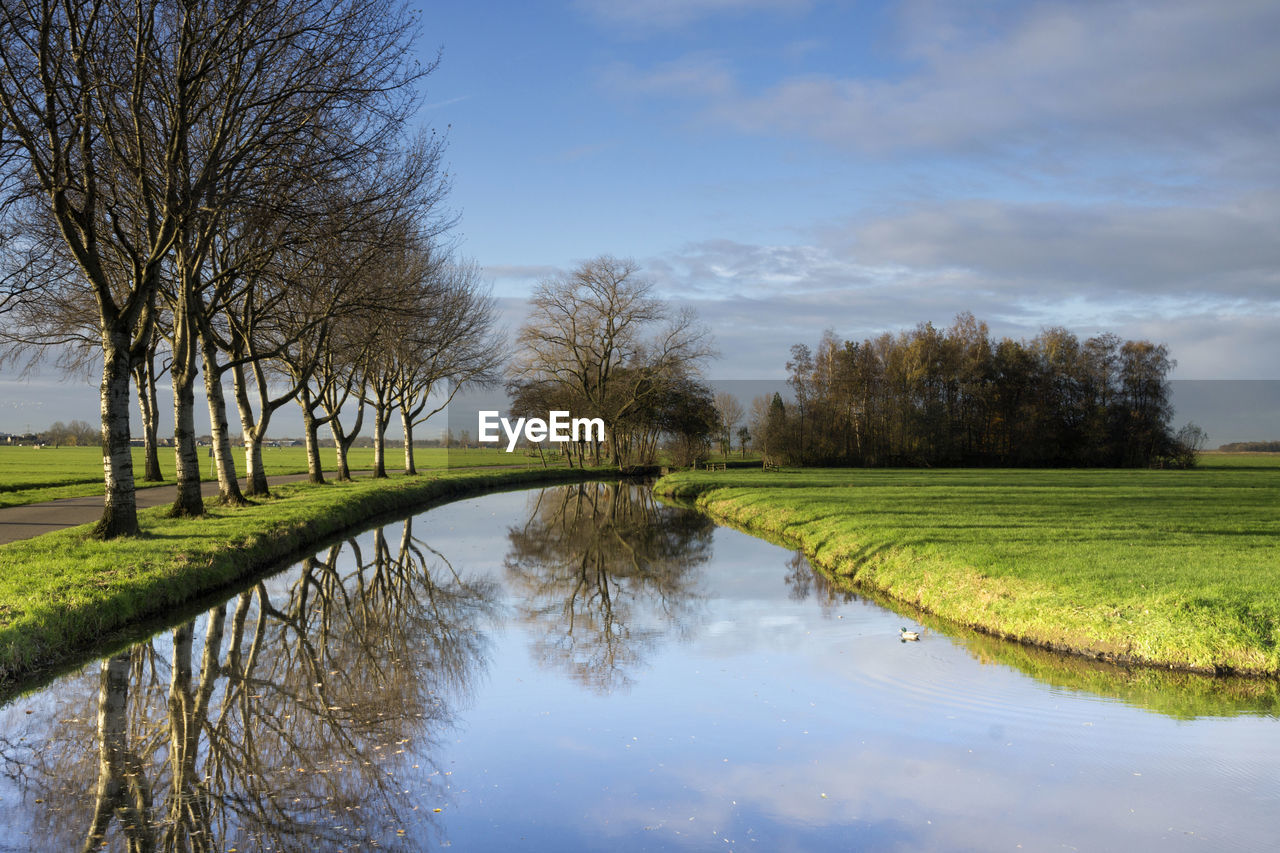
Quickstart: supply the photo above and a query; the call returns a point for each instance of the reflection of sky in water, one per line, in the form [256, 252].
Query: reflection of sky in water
[740, 732]
[748, 717]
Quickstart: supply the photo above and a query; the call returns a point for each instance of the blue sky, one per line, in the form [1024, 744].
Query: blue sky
[576, 130]
[788, 166]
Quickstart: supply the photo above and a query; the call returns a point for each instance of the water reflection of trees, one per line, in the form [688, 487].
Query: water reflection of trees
[602, 571]
[289, 727]
[803, 580]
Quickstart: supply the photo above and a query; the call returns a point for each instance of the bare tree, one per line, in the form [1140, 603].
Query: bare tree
[145, 376]
[81, 109]
[328, 104]
[264, 319]
[758, 419]
[344, 389]
[451, 343]
[404, 272]
[52, 318]
[731, 413]
[324, 263]
[134, 123]
[601, 333]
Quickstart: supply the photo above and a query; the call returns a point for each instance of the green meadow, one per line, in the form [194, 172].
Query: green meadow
[34, 474]
[1172, 568]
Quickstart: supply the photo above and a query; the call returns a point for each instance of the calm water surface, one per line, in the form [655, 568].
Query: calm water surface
[582, 668]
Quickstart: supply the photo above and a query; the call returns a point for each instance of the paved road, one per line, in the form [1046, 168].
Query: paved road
[23, 522]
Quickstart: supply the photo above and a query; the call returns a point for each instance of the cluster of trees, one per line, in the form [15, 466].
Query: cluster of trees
[957, 397]
[599, 344]
[1251, 447]
[74, 434]
[230, 188]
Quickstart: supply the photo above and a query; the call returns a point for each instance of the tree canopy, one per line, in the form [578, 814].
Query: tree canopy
[959, 397]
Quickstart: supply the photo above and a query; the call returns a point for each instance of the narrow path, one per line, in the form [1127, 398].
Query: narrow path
[28, 520]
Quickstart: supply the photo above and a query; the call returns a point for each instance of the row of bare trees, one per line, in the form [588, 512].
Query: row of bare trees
[215, 187]
[957, 396]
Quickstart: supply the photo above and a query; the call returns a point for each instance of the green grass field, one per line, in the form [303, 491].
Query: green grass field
[83, 593]
[34, 474]
[1177, 568]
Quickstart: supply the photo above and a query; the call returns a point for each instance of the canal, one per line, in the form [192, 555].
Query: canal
[583, 668]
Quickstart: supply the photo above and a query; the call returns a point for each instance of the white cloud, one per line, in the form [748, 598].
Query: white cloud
[1222, 252]
[700, 76]
[1117, 163]
[665, 14]
[1205, 281]
[521, 271]
[1156, 77]
[511, 280]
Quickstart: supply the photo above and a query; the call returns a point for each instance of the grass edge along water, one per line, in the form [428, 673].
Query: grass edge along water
[64, 594]
[1175, 569]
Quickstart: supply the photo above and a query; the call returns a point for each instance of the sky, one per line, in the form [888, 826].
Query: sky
[792, 166]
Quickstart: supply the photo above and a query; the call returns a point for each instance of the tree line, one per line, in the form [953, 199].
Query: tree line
[1251, 447]
[957, 396]
[231, 190]
[77, 433]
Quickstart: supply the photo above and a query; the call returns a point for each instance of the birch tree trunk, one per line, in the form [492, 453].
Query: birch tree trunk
[380, 417]
[311, 428]
[254, 433]
[188, 501]
[144, 374]
[228, 487]
[343, 439]
[407, 422]
[120, 508]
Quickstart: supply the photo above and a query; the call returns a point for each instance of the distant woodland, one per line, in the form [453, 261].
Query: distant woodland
[956, 396]
[1251, 447]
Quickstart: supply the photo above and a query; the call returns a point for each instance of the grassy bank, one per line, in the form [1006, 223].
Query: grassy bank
[1172, 568]
[62, 593]
[35, 474]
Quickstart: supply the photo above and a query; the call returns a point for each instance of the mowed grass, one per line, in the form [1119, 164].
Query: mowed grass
[63, 593]
[35, 474]
[1214, 459]
[1175, 568]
